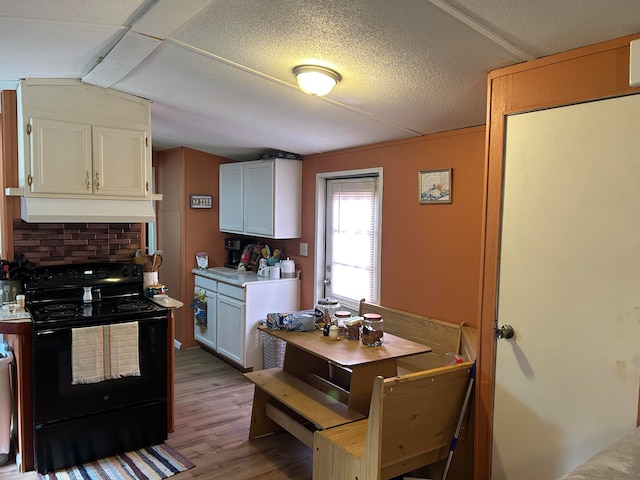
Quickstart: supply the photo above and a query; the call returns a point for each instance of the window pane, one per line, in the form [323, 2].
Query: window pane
[352, 242]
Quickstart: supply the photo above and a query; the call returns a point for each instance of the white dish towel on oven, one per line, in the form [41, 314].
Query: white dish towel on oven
[104, 352]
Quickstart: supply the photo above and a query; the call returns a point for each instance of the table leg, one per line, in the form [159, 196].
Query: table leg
[362, 382]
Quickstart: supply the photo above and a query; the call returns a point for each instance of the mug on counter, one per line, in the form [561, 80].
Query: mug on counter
[274, 271]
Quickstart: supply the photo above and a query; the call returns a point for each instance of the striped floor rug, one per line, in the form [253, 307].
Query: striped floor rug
[151, 463]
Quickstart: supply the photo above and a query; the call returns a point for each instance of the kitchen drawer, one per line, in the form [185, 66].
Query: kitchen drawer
[231, 291]
[206, 283]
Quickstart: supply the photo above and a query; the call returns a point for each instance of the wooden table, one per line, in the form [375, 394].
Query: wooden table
[348, 364]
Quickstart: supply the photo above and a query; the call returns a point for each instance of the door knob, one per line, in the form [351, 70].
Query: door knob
[505, 331]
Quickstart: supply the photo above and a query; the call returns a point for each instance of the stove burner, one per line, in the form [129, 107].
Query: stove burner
[59, 307]
[132, 306]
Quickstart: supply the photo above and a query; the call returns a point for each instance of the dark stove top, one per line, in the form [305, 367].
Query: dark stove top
[54, 295]
[107, 311]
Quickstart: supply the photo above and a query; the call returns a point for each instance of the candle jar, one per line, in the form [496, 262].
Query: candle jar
[372, 330]
[333, 332]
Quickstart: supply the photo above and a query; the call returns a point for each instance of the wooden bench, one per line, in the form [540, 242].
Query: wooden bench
[442, 337]
[412, 419]
[295, 405]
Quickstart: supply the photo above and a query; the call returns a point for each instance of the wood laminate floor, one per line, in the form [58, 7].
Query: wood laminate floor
[212, 414]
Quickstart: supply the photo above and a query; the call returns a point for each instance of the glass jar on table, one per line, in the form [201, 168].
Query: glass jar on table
[372, 330]
[326, 309]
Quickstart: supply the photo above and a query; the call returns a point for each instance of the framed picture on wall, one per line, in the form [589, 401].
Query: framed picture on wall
[434, 186]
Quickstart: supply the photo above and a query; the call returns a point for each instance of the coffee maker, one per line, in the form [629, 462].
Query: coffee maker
[234, 247]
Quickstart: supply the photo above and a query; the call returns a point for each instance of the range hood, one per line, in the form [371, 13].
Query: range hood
[85, 210]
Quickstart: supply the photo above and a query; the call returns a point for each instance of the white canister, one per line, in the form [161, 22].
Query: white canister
[287, 268]
[202, 260]
[274, 271]
[149, 278]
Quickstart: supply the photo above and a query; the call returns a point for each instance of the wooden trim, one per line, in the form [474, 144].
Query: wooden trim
[21, 346]
[584, 74]
[9, 206]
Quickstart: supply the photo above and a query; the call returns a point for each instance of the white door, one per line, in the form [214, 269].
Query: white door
[569, 284]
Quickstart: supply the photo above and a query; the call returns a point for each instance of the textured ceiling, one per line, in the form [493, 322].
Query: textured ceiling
[219, 72]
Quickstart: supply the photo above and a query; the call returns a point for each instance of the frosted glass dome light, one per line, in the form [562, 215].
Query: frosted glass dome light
[316, 81]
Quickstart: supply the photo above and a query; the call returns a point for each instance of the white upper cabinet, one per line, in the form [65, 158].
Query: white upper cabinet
[231, 197]
[119, 162]
[76, 139]
[259, 189]
[261, 198]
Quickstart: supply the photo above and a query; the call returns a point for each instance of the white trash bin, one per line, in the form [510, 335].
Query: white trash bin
[5, 407]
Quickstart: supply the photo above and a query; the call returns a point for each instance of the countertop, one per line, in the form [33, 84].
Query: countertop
[168, 302]
[15, 323]
[234, 277]
[17, 317]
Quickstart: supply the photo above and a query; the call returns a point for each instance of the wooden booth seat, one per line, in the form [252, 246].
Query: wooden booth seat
[406, 423]
[442, 337]
[412, 419]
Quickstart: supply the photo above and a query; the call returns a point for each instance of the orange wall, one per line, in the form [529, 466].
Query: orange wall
[183, 231]
[430, 253]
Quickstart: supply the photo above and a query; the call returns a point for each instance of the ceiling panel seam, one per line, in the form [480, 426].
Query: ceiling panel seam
[482, 29]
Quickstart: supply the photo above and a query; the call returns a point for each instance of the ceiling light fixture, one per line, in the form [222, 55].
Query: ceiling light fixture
[314, 80]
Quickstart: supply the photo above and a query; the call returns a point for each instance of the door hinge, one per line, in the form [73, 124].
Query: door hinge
[30, 180]
[28, 129]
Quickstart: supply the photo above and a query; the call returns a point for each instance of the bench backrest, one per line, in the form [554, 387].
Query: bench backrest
[442, 337]
[413, 418]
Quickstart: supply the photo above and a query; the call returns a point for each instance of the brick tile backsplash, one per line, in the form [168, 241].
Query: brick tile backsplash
[56, 243]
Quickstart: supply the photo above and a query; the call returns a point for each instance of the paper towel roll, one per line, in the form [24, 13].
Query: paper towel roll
[287, 268]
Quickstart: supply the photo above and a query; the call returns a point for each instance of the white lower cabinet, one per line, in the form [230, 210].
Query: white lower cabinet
[230, 330]
[234, 313]
[205, 327]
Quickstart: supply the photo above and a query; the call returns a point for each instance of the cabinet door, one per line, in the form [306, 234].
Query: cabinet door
[120, 163]
[258, 197]
[230, 328]
[231, 198]
[60, 157]
[206, 334]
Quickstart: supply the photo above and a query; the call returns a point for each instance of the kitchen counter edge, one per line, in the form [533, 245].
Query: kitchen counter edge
[234, 277]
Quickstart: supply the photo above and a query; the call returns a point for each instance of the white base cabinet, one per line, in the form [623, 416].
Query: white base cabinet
[206, 332]
[239, 307]
[230, 331]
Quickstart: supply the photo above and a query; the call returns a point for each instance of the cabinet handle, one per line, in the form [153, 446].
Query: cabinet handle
[28, 129]
[97, 181]
[88, 181]
[147, 186]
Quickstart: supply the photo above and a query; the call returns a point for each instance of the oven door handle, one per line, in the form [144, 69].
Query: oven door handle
[45, 332]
